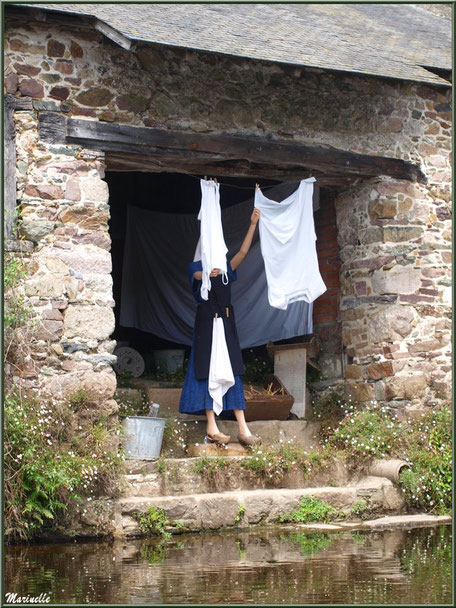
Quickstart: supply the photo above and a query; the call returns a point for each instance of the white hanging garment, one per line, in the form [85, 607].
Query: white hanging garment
[221, 376]
[211, 248]
[287, 240]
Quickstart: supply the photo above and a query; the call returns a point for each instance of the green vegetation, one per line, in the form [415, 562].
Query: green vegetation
[153, 521]
[310, 542]
[311, 510]
[240, 514]
[360, 508]
[373, 431]
[273, 462]
[213, 469]
[428, 483]
[49, 468]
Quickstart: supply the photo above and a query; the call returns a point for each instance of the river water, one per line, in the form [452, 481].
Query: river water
[280, 565]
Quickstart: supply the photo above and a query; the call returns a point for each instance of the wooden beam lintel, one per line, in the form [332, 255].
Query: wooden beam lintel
[183, 145]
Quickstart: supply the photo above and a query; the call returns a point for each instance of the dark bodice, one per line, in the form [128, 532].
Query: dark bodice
[219, 301]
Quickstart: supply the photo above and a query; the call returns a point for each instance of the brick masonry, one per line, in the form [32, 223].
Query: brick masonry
[385, 320]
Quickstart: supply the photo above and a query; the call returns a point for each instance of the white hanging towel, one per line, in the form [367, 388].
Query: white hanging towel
[211, 248]
[221, 376]
[287, 240]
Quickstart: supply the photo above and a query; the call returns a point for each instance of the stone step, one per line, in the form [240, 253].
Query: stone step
[192, 431]
[242, 508]
[212, 449]
[176, 476]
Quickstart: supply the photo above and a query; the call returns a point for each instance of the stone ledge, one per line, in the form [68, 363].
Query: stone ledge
[210, 511]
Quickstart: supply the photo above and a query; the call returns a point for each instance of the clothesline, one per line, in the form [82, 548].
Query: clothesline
[234, 186]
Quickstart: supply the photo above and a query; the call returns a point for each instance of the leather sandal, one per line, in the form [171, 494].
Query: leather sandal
[218, 438]
[249, 440]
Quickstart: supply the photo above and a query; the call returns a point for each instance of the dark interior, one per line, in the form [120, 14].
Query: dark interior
[170, 193]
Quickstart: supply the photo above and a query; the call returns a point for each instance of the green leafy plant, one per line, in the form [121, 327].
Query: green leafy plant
[48, 469]
[368, 432]
[360, 508]
[329, 411]
[240, 514]
[428, 483]
[274, 461]
[312, 510]
[153, 521]
[309, 543]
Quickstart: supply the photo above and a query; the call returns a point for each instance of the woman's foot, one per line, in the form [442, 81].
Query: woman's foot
[218, 438]
[249, 440]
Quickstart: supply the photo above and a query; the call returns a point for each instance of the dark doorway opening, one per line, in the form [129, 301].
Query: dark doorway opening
[169, 193]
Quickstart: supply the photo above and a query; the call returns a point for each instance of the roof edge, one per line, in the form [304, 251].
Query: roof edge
[129, 43]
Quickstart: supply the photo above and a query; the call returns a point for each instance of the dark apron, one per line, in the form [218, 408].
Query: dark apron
[219, 302]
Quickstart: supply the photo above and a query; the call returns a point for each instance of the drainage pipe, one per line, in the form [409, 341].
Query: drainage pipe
[388, 468]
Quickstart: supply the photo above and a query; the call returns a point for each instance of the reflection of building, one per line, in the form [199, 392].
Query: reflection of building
[357, 95]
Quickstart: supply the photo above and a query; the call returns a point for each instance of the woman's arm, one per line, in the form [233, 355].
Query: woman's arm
[243, 251]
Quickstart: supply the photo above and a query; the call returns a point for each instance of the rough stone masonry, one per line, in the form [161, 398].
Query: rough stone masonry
[394, 237]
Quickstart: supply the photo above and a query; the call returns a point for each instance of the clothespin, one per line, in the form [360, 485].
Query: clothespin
[215, 180]
[257, 186]
[205, 177]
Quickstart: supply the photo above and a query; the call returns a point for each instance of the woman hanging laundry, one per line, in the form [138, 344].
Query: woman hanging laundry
[195, 398]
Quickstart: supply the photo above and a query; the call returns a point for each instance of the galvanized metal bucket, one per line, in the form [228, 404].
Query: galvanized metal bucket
[144, 436]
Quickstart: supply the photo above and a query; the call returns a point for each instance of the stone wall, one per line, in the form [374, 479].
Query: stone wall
[395, 298]
[394, 237]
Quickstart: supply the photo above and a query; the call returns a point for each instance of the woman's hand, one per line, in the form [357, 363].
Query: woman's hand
[255, 216]
[214, 272]
[198, 275]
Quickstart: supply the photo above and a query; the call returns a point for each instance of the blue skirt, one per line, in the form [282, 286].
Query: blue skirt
[195, 398]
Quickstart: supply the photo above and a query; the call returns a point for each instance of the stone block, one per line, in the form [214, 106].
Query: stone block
[424, 346]
[48, 286]
[76, 50]
[94, 189]
[360, 391]
[28, 70]
[29, 87]
[89, 322]
[353, 372]
[94, 98]
[72, 191]
[44, 191]
[55, 48]
[398, 234]
[56, 265]
[390, 323]
[380, 370]
[100, 386]
[400, 279]
[382, 209]
[406, 387]
[50, 330]
[35, 228]
[87, 260]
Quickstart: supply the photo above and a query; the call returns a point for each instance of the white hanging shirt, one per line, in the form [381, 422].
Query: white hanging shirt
[287, 240]
[211, 248]
[221, 376]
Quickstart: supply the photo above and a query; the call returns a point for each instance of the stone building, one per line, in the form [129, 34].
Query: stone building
[95, 93]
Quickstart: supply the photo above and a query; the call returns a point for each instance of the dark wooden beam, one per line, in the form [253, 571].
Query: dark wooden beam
[10, 104]
[183, 146]
[136, 162]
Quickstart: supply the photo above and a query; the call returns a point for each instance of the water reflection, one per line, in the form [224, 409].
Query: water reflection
[266, 566]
